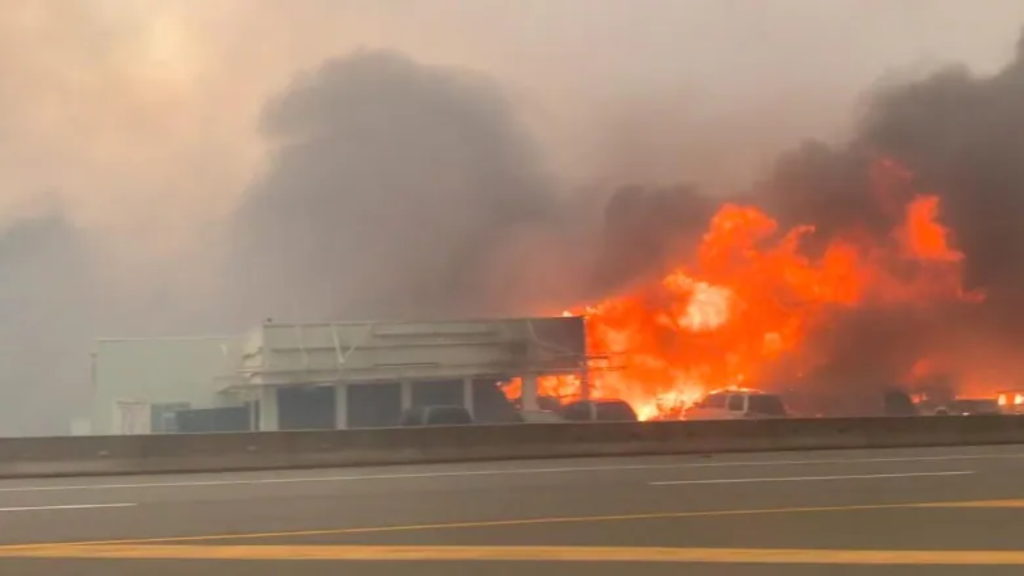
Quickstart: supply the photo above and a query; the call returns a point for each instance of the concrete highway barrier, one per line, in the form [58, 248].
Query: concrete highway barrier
[95, 455]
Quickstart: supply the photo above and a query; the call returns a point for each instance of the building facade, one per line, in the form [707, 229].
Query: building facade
[286, 376]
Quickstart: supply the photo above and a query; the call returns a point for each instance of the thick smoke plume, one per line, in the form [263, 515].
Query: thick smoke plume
[963, 138]
[645, 230]
[397, 190]
[960, 137]
[951, 136]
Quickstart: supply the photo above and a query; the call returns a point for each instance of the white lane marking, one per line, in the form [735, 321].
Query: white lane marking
[68, 507]
[499, 472]
[811, 478]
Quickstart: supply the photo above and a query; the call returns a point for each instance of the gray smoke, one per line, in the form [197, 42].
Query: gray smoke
[962, 136]
[965, 136]
[47, 300]
[397, 190]
[646, 230]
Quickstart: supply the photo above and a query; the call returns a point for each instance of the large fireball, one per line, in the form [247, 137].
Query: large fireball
[744, 308]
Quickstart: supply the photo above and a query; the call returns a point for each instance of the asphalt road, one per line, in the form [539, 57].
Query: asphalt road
[940, 511]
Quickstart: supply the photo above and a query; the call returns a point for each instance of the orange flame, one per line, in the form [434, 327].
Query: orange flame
[743, 312]
[922, 235]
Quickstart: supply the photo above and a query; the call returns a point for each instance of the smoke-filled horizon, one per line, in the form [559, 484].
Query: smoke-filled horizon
[174, 168]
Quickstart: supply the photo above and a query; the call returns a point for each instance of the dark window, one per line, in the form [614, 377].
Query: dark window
[577, 412]
[306, 408]
[439, 393]
[374, 405]
[615, 411]
[715, 401]
[490, 405]
[736, 403]
[232, 419]
[163, 417]
[766, 405]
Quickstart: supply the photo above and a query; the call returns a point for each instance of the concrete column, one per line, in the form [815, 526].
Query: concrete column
[467, 395]
[585, 384]
[268, 409]
[341, 406]
[529, 400]
[406, 395]
[254, 416]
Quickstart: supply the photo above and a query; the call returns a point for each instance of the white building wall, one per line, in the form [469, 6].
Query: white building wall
[282, 354]
[132, 376]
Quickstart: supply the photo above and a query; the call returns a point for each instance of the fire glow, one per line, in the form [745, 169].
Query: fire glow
[742, 311]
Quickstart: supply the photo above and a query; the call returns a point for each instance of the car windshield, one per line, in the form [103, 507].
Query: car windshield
[976, 405]
[615, 411]
[714, 401]
[766, 404]
[577, 411]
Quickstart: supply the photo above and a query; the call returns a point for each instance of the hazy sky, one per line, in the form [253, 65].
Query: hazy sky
[134, 133]
[119, 110]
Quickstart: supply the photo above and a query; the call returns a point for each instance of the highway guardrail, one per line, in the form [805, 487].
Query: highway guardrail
[99, 455]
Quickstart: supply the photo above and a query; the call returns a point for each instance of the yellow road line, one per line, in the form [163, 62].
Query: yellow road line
[530, 553]
[523, 522]
[477, 524]
[978, 504]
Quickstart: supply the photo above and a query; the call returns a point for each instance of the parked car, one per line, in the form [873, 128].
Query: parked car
[609, 410]
[969, 407]
[898, 403]
[1011, 401]
[436, 416]
[736, 404]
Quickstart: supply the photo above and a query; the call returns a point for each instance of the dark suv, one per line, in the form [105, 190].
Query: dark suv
[599, 411]
[969, 407]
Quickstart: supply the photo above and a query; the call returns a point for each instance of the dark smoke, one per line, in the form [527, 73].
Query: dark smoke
[397, 190]
[965, 137]
[959, 136]
[645, 230]
[962, 136]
